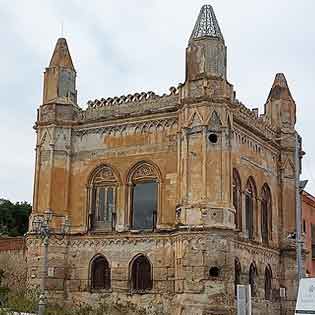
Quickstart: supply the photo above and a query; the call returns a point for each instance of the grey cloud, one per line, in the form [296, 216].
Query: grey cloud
[139, 45]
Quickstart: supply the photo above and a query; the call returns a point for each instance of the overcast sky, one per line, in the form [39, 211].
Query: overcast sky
[120, 47]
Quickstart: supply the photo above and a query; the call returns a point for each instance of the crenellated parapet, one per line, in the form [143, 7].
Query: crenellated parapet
[252, 120]
[137, 104]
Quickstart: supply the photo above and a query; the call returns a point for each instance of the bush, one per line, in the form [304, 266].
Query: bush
[14, 271]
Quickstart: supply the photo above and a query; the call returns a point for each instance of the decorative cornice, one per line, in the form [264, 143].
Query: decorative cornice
[139, 126]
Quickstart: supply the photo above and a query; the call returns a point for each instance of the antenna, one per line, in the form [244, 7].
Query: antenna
[61, 28]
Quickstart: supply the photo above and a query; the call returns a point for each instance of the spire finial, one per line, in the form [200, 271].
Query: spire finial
[206, 25]
[61, 28]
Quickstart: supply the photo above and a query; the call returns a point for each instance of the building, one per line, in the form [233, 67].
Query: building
[308, 214]
[172, 199]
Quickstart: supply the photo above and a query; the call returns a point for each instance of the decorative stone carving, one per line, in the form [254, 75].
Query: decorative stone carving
[215, 121]
[144, 171]
[124, 129]
[104, 175]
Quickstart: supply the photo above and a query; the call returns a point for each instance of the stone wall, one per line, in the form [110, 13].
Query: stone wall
[181, 266]
[13, 263]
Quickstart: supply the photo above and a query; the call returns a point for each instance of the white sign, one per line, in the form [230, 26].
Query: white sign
[306, 298]
[244, 301]
[51, 272]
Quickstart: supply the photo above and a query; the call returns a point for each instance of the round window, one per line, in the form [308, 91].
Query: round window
[213, 138]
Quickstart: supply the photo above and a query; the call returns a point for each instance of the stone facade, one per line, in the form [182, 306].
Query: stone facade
[225, 178]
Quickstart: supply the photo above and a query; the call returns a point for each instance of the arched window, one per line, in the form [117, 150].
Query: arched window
[141, 274]
[252, 278]
[266, 214]
[250, 206]
[144, 190]
[268, 283]
[102, 193]
[237, 198]
[100, 274]
[237, 277]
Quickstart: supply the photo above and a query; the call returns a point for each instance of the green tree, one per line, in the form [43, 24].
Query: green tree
[14, 217]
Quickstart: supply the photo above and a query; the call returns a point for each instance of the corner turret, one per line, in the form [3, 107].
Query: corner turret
[206, 51]
[280, 107]
[60, 76]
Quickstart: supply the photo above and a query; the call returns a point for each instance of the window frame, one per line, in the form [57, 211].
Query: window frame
[268, 283]
[237, 274]
[133, 274]
[154, 213]
[143, 172]
[93, 192]
[250, 197]
[108, 271]
[266, 214]
[252, 279]
[237, 198]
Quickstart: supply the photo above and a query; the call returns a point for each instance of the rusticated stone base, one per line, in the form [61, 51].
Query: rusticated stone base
[181, 263]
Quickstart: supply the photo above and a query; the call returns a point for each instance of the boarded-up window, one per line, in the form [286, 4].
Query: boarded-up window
[141, 278]
[250, 200]
[252, 279]
[268, 283]
[100, 274]
[266, 214]
[238, 270]
[237, 198]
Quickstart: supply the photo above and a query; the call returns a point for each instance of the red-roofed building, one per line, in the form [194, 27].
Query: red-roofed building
[308, 214]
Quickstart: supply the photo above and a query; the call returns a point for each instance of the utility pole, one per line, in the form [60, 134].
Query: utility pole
[42, 303]
[40, 226]
[298, 212]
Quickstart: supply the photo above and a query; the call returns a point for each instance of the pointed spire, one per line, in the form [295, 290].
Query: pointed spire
[60, 76]
[280, 89]
[280, 107]
[61, 56]
[206, 25]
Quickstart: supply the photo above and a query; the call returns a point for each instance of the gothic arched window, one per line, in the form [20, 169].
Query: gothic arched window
[144, 191]
[141, 274]
[100, 274]
[252, 278]
[250, 206]
[237, 198]
[268, 283]
[237, 277]
[266, 214]
[102, 193]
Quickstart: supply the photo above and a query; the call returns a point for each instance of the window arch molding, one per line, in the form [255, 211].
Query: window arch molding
[237, 198]
[266, 213]
[144, 179]
[250, 206]
[140, 273]
[102, 190]
[100, 273]
[149, 170]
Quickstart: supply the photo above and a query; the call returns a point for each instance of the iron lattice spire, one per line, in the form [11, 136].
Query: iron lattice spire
[206, 25]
